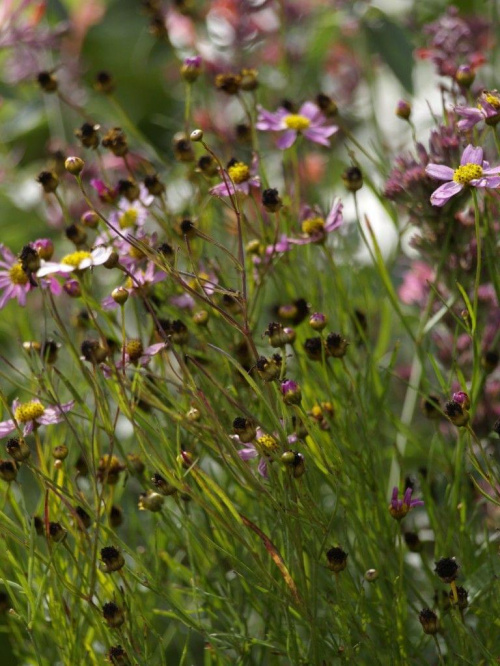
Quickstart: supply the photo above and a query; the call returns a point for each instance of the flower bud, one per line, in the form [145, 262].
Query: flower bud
[74, 165]
[60, 452]
[403, 109]
[151, 501]
[228, 83]
[120, 295]
[371, 575]
[465, 76]
[318, 321]
[290, 390]
[201, 317]
[249, 79]
[115, 140]
[183, 150]
[279, 336]
[430, 407]
[117, 656]
[191, 68]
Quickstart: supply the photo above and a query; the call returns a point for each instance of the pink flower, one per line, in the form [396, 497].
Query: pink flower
[399, 508]
[309, 121]
[315, 228]
[473, 171]
[14, 282]
[238, 177]
[33, 414]
[415, 287]
[488, 110]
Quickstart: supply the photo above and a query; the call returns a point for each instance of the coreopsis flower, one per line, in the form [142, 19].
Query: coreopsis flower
[265, 447]
[76, 261]
[399, 508]
[309, 121]
[473, 171]
[14, 281]
[487, 110]
[238, 177]
[32, 414]
[315, 228]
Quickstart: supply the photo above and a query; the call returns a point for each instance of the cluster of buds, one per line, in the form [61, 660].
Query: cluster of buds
[334, 345]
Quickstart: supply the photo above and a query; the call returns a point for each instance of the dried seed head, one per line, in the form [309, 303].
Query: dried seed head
[112, 559]
[447, 569]
[429, 621]
[18, 449]
[47, 81]
[113, 615]
[337, 559]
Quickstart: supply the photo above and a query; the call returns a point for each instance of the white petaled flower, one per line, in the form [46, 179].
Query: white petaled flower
[76, 261]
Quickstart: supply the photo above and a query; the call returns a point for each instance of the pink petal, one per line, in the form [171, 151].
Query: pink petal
[287, 139]
[439, 171]
[6, 427]
[444, 193]
[319, 135]
[311, 111]
[472, 155]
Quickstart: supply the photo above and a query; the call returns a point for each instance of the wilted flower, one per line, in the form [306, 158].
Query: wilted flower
[399, 508]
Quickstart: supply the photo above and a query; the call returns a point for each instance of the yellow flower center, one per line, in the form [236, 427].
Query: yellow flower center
[316, 412]
[492, 99]
[297, 122]
[29, 411]
[128, 218]
[129, 283]
[464, 174]
[134, 349]
[313, 226]
[75, 258]
[135, 253]
[17, 275]
[267, 445]
[239, 172]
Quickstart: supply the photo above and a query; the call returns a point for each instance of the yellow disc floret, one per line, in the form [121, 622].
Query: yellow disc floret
[17, 275]
[464, 174]
[128, 218]
[29, 411]
[75, 258]
[492, 99]
[134, 349]
[297, 122]
[239, 172]
[267, 445]
[313, 226]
